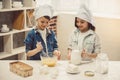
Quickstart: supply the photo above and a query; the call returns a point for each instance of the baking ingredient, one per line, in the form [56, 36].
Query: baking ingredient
[71, 68]
[89, 73]
[49, 61]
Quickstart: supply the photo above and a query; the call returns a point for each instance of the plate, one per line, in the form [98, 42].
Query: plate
[73, 72]
[89, 73]
[84, 62]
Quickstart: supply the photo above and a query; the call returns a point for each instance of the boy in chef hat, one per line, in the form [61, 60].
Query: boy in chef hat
[41, 41]
[84, 38]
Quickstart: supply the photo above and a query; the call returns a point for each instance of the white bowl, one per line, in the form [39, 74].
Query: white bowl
[17, 3]
[17, 6]
[71, 68]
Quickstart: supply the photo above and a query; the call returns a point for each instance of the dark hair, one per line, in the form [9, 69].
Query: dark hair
[54, 17]
[47, 17]
[89, 24]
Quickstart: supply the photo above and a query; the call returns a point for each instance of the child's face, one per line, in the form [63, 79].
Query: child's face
[82, 25]
[42, 23]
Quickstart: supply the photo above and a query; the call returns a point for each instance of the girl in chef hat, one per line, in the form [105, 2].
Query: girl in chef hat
[41, 41]
[84, 37]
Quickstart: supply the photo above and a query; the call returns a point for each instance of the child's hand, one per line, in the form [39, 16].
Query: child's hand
[39, 46]
[57, 53]
[69, 56]
[84, 54]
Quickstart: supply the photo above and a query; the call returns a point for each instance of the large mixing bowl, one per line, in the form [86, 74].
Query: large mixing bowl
[49, 61]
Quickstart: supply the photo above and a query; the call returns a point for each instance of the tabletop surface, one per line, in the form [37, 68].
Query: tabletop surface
[113, 73]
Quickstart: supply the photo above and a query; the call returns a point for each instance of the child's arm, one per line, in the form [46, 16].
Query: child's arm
[97, 45]
[56, 51]
[69, 53]
[36, 50]
[84, 54]
[93, 55]
[97, 49]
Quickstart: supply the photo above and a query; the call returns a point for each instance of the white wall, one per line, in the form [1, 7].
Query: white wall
[110, 7]
[108, 30]
[64, 27]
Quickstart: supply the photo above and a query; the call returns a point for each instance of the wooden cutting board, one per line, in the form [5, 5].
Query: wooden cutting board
[18, 20]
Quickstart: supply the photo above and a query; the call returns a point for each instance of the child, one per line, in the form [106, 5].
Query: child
[41, 41]
[84, 37]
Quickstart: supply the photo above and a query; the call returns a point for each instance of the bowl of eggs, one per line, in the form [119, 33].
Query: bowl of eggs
[49, 61]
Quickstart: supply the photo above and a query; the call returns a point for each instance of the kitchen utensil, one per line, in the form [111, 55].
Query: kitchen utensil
[17, 4]
[21, 69]
[19, 21]
[102, 63]
[75, 57]
[89, 73]
[4, 28]
[49, 61]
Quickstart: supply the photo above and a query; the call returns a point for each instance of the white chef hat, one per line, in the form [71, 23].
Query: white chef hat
[85, 14]
[43, 10]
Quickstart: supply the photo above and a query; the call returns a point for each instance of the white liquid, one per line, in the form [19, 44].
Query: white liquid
[75, 57]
